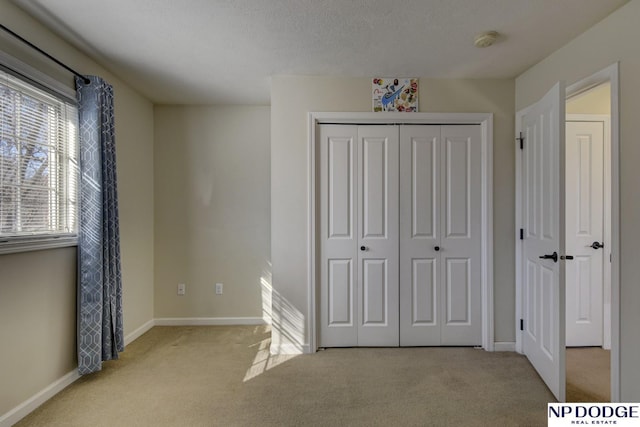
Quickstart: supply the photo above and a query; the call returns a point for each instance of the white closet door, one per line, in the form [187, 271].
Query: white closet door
[338, 236]
[440, 244]
[378, 275]
[420, 272]
[460, 228]
[363, 258]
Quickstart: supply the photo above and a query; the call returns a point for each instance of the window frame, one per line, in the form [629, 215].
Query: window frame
[46, 240]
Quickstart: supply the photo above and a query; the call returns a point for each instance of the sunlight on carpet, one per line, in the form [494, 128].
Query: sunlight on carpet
[264, 360]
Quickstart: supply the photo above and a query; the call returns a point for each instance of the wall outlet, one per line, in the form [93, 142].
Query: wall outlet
[219, 288]
[182, 289]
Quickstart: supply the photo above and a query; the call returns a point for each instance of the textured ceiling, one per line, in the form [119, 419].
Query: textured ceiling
[224, 51]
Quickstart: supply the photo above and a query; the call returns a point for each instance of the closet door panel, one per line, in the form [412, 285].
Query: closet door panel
[375, 293]
[424, 285]
[458, 291]
[375, 186]
[338, 236]
[424, 184]
[419, 235]
[460, 255]
[340, 291]
[457, 186]
[378, 303]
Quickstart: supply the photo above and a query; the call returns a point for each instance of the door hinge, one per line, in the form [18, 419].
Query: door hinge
[522, 234]
[522, 324]
[521, 140]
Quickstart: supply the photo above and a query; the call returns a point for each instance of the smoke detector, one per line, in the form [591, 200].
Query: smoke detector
[486, 39]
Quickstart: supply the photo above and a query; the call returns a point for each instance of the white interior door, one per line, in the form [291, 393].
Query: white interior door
[585, 232]
[543, 218]
[378, 245]
[440, 203]
[338, 236]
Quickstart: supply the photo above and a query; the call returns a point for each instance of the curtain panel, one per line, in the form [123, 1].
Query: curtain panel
[100, 330]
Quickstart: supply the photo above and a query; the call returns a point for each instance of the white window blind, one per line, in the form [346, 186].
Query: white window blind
[38, 164]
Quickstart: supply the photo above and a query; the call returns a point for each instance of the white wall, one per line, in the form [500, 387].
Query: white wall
[37, 289]
[613, 39]
[212, 210]
[292, 97]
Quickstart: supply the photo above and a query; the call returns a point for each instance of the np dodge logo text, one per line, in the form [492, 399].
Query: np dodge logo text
[595, 411]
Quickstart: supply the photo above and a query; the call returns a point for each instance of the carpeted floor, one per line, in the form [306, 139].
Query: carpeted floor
[224, 376]
[588, 374]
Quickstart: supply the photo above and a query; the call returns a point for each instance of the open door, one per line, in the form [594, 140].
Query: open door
[542, 220]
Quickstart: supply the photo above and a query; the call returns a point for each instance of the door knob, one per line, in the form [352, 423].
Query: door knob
[437, 248]
[363, 248]
[553, 256]
[597, 245]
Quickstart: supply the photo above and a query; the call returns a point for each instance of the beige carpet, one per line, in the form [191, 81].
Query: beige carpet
[224, 376]
[588, 374]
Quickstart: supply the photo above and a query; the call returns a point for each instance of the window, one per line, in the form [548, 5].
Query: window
[38, 167]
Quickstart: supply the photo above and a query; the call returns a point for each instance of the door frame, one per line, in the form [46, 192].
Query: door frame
[605, 119]
[485, 120]
[609, 74]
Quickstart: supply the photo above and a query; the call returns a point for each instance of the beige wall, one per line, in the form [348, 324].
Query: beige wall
[613, 39]
[37, 322]
[594, 101]
[37, 289]
[212, 210]
[291, 99]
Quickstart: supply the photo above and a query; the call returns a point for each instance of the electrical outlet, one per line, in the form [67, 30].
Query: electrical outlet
[182, 289]
[219, 288]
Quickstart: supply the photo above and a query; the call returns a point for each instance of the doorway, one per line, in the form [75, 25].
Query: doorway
[545, 161]
[588, 239]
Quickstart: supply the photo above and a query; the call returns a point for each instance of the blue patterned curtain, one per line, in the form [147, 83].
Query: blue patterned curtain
[100, 332]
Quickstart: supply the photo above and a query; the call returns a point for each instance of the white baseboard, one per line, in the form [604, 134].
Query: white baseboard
[29, 405]
[209, 321]
[504, 346]
[138, 332]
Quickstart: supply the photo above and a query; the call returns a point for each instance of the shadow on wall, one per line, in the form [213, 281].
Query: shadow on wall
[288, 326]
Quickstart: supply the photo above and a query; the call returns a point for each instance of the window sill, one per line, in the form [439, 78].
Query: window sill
[37, 244]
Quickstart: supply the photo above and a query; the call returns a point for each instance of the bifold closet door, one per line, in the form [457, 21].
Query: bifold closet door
[338, 236]
[359, 236]
[420, 271]
[378, 222]
[440, 243]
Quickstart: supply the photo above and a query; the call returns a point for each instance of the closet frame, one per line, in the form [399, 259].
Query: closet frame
[485, 120]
